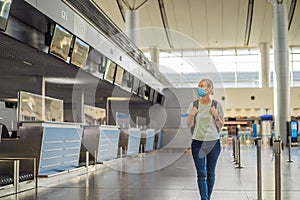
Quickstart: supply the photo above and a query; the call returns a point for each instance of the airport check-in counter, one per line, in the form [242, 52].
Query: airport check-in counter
[134, 141]
[101, 142]
[157, 139]
[55, 145]
[147, 140]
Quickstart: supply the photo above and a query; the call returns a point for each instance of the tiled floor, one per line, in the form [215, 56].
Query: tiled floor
[167, 175]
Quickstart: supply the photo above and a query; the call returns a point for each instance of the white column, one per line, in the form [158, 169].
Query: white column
[265, 63]
[281, 75]
[131, 20]
[78, 105]
[154, 54]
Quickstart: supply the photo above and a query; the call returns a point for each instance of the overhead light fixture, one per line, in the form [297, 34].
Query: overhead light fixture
[27, 63]
[118, 98]
[64, 81]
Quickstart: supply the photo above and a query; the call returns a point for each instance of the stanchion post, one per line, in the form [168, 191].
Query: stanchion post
[239, 164]
[259, 174]
[277, 169]
[290, 150]
[87, 160]
[95, 160]
[233, 149]
[121, 152]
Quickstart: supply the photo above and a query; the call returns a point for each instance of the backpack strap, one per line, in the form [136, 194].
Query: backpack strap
[195, 104]
[214, 103]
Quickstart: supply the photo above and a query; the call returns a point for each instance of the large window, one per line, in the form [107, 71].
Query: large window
[294, 66]
[228, 68]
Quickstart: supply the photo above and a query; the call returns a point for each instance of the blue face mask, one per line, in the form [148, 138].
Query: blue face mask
[201, 92]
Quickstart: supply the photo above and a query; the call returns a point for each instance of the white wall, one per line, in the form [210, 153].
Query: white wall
[238, 101]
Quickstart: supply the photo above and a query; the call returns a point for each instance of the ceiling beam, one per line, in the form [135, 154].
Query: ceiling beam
[249, 22]
[291, 13]
[165, 22]
[121, 9]
[141, 5]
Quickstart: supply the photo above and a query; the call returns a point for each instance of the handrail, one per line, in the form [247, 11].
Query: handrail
[16, 161]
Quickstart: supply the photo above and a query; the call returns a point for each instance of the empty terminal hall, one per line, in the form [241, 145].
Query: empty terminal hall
[149, 99]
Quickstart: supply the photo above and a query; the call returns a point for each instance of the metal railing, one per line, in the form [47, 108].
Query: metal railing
[16, 171]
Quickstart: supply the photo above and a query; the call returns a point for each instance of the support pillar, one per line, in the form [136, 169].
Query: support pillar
[78, 105]
[281, 74]
[131, 25]
[154, 53]
[265, 63]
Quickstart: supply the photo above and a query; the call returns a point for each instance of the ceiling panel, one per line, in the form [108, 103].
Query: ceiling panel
[199, 22]
[111, 9]
[214, 20]
[230, 19]
[151, 32]
[259, 14]
[241, 23]
[267, 27]
[212, 23]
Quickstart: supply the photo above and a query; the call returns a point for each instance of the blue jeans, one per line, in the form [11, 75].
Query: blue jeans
[205, 155]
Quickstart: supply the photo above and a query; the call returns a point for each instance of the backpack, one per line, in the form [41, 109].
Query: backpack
[196, 104]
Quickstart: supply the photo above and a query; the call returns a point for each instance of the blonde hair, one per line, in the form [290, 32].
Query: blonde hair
[210, 84]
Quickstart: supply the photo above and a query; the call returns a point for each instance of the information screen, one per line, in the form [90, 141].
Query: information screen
[4, 13]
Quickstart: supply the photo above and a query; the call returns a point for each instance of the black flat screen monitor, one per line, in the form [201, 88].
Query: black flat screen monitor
[4, 13]
[154, 96]
[151, 94]
[119, 76]
[127, 81]
[109, 74]
[102, 63]
[61, 42]
[160, 98]
[146, 94]
[141, 89]
[135, 85]
[79, 53]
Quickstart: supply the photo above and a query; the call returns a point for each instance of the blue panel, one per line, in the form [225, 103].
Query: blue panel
[294, 129]
[108, 144]
[134, 140]
[254, 130]
[159, 140]
[150, 140]
[60, 149]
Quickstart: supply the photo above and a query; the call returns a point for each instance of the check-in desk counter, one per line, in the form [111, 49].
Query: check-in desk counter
[55, 145]
[101, 142]
[123, 142]
[157, 139]
[147, 140]
[134, 141]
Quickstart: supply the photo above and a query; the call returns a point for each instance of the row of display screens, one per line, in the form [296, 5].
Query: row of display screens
[66, 46]
[63, 42]
[116, 75]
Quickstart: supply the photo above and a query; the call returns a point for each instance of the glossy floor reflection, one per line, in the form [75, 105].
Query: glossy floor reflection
[167, 175]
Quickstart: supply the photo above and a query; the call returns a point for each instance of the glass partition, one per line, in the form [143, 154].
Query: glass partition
[94, 115]
[30, 108]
